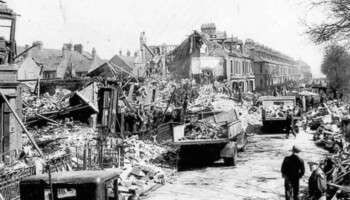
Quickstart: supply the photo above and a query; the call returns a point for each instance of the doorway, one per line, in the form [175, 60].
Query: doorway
[4, 129]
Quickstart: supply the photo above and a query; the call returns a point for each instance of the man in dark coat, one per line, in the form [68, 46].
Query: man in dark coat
[317, 183]
[292, 170]
[289, 124]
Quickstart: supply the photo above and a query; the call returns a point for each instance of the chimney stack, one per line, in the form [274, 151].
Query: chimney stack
[128, 53]
[78, 48]
[93, 53]
[38, 44]
[28, 52]
[120, 52]
[135, 54]
[67, 47]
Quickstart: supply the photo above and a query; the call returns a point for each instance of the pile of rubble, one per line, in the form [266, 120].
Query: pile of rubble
[276, 111]
[43, 104]
[145, 152]
[63, 137]
[325, 123]
[326, 126]
[337, 170]
[247, 113]
[329, 136]
[146, 164]
[202, 130]
[206, 96]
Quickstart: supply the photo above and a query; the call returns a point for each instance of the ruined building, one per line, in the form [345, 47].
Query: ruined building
[10, 99]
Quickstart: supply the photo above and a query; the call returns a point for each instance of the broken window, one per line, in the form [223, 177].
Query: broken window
[5, 30]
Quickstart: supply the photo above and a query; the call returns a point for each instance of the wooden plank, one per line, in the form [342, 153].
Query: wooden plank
[122, 128]
[113, 111]
[6, 128]
[2, 150]
[131, 91]
[105, 107]
[201, 142]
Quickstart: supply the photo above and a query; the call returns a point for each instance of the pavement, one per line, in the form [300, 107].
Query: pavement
[255, 177]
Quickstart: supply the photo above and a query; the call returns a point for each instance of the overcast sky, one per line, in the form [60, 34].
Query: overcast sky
[112, 25]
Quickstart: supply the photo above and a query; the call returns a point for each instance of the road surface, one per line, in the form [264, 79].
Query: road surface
[256, 176]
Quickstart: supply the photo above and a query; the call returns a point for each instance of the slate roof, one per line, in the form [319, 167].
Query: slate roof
[54, 60]
[117, 65]
[51, 58]
[125, 62]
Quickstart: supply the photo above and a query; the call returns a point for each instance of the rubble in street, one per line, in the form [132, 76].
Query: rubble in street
[149, 163]
[145, 162]
[337, 170]
[73, 124]
[330, 135]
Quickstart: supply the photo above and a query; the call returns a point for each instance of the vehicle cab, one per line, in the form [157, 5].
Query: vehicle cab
[75, 185]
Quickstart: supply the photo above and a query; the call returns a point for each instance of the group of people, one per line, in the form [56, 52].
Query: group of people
[293, 169]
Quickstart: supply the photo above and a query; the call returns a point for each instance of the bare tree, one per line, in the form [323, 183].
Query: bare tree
[337, 25]
[336, 67]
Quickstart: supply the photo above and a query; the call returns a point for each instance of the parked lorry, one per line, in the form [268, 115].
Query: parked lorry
[77, 185]
[274, 112]
[199, 151]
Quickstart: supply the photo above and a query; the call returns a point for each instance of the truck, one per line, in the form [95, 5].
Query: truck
[274, 112]
[199, 151]
[77, 185]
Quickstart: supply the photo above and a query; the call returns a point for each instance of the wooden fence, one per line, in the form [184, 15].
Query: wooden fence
[9, 182]
[91, 156]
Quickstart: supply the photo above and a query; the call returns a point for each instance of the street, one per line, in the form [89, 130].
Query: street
[256, 176]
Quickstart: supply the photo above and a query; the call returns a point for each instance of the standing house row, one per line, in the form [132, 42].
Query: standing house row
[202, 58]
[245, 66]
[271, 68]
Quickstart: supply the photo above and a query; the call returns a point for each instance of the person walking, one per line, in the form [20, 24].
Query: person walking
[317, 182]
[289, 124]
[240, 97]
[274, 92]
[292, 170]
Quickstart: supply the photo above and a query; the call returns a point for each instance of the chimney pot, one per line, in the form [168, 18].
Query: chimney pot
[68, 46]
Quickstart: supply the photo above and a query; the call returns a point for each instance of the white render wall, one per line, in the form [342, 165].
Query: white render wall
[215, 64]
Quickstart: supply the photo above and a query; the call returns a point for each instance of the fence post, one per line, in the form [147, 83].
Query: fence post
[89, 155]
[76, 155]
[84, 157]
[118, 157]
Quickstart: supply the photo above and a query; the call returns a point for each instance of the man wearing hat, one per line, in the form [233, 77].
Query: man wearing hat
[292, 170]
[317, 182]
